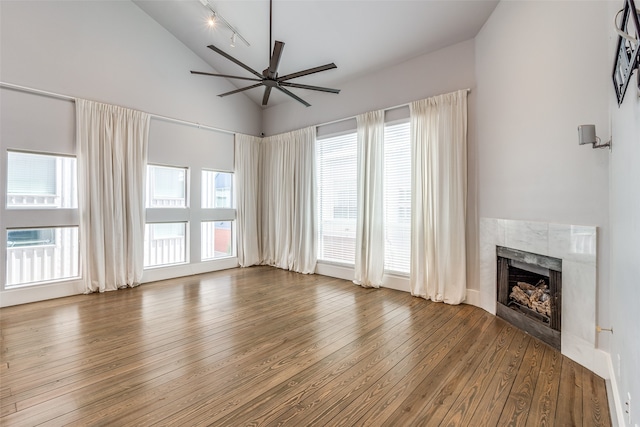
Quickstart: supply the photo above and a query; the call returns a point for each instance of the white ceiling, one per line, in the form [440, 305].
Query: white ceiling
[358, 36]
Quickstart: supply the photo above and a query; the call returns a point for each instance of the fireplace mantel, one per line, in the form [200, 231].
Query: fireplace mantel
[575, 245]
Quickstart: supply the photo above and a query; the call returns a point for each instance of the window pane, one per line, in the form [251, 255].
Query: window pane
[337, 198]
[217, 189]
[39, 255]
[397, 198]
[166, 187]
[217, 239]
[41, 181]
[165, 244]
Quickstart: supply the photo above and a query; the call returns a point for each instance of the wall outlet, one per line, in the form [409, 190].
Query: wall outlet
[628, 405]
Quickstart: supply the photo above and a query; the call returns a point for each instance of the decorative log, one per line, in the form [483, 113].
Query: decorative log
[542, 285]
[526, 286]
[542, 307]
[536, 296]
[519, 295]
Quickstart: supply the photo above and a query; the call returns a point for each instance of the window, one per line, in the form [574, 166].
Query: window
[217, 239]
[45, 184]
[217, 189]
[41, 181]
[165, 238]
[165, 244]
[337, 198]
[36, 255]
[166, 187]
[397, 198]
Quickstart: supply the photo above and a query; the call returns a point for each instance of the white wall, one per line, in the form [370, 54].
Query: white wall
[111, 51]
[625, 244]
[443, 71]
[543, 69]
[108, 51]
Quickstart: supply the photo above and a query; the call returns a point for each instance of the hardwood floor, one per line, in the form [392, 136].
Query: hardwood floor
[262, 346]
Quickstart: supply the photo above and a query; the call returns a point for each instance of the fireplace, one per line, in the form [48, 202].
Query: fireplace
[529, 290]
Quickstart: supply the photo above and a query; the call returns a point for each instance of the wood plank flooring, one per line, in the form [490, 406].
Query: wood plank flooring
[262, 346]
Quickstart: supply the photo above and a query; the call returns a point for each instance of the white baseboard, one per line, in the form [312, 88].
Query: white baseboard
[37, 293]
[48, 291]
[616, 407]
[337, 271]
[390, 281]
[182, 270]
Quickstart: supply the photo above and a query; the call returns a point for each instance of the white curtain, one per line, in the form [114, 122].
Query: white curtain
[369, 260]
[111, 145]
[288, 198]
[439, 195]
[247, 160]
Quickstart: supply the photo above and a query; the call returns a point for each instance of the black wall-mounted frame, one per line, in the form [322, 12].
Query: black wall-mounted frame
[627, 54]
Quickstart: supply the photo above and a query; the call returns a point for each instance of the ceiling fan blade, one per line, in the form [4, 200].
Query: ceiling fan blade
[294, 96]
[226, 76]
[307, 72]
[278, 47]
[318, 88]
[240, 90]
[267, 92]
[232, 59]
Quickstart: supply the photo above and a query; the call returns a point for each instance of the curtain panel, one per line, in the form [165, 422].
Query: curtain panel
[287, 203]
[369, 259]
[111, 146]
[247, 175]
[439, 195]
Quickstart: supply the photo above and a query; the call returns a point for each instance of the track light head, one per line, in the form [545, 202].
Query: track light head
[211, 21]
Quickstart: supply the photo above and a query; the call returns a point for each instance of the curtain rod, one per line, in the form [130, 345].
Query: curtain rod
[406, 104]
[72, 99]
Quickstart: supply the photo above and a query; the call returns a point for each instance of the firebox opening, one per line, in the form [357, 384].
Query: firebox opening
[530, 293]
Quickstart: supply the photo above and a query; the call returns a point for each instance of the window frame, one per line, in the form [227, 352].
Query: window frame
[233, 240]
[39, 217]
[401, 207]
[232, 197]
[58, 157]
[349, 207]
[150, 182]
[148, 226]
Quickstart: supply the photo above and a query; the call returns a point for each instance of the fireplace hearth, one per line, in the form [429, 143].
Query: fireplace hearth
[529, 293]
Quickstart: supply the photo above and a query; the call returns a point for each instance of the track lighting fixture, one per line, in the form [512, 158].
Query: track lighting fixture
[215, 18]
[212, 20]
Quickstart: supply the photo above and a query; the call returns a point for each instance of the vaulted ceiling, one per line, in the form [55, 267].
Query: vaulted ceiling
[358, 36]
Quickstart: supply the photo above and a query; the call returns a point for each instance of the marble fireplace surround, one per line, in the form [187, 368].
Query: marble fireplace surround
[576, 246]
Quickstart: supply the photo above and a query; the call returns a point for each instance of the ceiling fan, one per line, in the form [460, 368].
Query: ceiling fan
[269, 78]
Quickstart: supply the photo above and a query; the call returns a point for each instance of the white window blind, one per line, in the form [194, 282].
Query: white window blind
[337, 198]
[397, 197]
[41, 181]
[166, 187]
